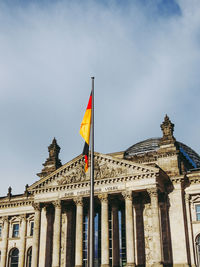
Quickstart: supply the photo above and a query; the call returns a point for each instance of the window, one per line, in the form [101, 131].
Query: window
[14, 257]
[29, 257]
[15, 230]
[31, 228]
[0, 230]
[197, 207]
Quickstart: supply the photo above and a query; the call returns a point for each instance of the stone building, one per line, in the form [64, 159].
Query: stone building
[147, 209]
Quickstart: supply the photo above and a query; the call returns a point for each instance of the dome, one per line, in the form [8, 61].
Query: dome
[152, 145]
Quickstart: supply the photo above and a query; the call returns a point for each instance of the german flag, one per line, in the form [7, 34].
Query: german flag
[85, 130]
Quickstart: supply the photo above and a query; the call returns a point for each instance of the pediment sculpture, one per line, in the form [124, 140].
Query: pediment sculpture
[101, 171]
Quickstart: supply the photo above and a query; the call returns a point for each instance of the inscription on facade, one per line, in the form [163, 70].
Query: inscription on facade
[87, 191]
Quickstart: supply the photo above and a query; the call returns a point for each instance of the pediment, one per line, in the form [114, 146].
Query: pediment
[105, 167]
[195, 199]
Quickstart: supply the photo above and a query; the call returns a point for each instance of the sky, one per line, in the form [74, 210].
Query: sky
[144, 54]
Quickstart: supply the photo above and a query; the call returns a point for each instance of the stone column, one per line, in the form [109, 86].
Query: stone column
[177, 225]
[190, 235]
[43, 237]
[115, 235]
[157, 249]
[104, 231]
[23, 241]
[36, 235]
[130, 244]
[4, 241]
[79, 232]
[56, 234]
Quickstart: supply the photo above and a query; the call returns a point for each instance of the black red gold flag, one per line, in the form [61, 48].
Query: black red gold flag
[85, 130]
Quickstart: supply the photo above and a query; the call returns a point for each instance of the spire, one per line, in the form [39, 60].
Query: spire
[53, 162]
[167, 128]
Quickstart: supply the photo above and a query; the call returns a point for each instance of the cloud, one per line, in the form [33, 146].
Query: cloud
[145, 59]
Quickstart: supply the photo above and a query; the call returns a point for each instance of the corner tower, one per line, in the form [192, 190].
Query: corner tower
[53, 162]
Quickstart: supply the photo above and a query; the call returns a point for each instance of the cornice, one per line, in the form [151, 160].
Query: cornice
[177, 179]
[13, 204]
[153, 157]
[194, 180]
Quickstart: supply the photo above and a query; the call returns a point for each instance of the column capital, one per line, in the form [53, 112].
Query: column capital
[44, 208]
[36, 206]
[57, 204]
[187, 198]
[153, 192]
[5, 219]
[103, 197]
[22, 217]
[127, 195]
[78, 201]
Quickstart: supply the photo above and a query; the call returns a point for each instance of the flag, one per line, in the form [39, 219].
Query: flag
[85, 130]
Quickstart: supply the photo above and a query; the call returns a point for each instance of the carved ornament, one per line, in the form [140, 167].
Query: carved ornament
[78, 201]
[153, 192]
[36, 206]
[187, 198]
[127, 195]
[5, 219]
[101, 171]
[103, 197]
[57, 203]
[22, 217]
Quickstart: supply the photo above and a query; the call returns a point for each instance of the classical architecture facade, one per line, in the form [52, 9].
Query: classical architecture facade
[147, 209]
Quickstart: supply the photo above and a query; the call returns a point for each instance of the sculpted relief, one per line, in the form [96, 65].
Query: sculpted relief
[101, 170]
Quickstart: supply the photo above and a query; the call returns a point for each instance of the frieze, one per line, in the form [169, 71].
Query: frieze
[102, 182]
[87, 191]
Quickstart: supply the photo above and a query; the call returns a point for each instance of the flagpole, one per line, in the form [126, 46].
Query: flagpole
[91, 244]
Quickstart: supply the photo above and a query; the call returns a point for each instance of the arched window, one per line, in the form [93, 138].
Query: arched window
[14, 257]
[29, 257]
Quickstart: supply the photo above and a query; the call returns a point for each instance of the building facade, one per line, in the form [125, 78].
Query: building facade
[147, 209]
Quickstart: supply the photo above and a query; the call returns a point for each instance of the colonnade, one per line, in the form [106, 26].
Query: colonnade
[56, 238]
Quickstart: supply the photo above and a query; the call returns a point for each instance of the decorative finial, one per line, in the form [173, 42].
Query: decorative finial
[26, 193]
[167, 128]
[9, 192]
[53, 162]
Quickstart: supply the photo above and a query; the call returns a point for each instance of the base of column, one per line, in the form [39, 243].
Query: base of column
[181, 265]
[77, 266]
[130, 265]
[105, 265]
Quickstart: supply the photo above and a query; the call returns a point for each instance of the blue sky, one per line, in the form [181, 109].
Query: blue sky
[145, 56]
